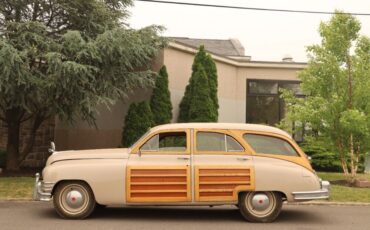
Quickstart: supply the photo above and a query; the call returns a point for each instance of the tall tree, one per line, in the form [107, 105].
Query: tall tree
[201, 104]
[138, 120]
[204, 61]
[64, 57]
[160, 102]
[336, 82]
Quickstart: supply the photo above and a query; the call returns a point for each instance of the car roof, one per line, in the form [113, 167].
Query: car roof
[235, 126]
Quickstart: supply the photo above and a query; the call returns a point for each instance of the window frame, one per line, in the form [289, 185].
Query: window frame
[224, 132]
[139, 145]
[292, 143]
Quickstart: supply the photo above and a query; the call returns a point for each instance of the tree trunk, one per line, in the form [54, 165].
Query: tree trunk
[353, 161]
[12, 147]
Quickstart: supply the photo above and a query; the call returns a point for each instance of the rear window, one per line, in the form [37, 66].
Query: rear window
[270, 145]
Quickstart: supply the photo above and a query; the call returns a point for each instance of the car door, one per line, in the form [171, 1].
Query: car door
[223, 166]
[158, 169]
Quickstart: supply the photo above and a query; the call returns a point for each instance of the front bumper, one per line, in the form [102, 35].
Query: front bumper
[42, 190]
[321, 194]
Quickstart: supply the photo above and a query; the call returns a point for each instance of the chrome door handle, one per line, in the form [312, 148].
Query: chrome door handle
[183, 158]
[242, 159]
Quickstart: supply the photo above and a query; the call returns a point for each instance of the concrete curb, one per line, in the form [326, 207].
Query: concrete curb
[329, 203]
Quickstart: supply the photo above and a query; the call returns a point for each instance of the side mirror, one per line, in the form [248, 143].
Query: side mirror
[52, 147]
[139, 153]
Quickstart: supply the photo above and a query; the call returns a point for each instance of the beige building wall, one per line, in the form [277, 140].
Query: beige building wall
[232, 86]
[232, 81]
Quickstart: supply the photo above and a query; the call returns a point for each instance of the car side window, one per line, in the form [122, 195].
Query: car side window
[219, 142]
[270, 145]
[166, 142]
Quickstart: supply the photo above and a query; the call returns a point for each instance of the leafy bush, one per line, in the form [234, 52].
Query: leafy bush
[323, 159]
[2, 158]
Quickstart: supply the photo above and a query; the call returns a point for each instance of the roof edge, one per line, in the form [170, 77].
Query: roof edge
[239, 63]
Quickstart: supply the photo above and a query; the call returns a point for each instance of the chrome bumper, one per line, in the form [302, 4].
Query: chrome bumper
[321, 194]
[42, 190]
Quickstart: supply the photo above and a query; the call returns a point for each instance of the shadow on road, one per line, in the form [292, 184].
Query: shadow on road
[187, 214]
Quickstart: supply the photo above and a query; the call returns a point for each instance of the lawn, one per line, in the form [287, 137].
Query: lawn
[346, 194]
[16, 187]
[22, 188]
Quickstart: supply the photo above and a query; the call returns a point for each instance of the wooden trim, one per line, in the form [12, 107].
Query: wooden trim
[224, 191]
[301, 159]
[241, 141]
[138, 145]
[154, 193]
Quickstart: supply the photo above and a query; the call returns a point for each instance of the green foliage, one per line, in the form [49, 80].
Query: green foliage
[336, 82]
[160, 102]
[205, 62]
[63, 58]
[201, 105]
[2, 158]
[322, 159]
[138, 121]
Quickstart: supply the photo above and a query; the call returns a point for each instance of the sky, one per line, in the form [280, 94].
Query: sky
[266, 36]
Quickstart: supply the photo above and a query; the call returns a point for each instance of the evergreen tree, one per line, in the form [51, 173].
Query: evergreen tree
[211, 71]
[137, 121]
[204, 61]
[201, 104]
[65, 58]
[160, 102]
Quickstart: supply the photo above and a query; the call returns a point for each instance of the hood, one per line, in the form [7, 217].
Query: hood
[118, 153]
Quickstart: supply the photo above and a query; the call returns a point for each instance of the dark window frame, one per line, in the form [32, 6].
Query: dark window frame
[276, 95]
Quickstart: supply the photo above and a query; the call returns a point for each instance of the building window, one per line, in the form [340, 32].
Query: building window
[264, 105]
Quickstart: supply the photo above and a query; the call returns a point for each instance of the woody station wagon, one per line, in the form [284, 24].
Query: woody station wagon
[255, 167]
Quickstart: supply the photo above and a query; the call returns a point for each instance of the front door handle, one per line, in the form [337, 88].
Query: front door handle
[183, 158]
[242, 159]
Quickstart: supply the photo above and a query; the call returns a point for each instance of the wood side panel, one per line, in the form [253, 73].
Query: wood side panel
[159, 187]
[213, 171]
[159, 195]
[158, 184]
[217, 194]
[157, 171]
[223, 178]
[159, 179]
[222, 183]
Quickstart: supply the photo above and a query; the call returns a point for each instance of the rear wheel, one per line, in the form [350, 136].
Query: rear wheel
[261, 207]
[74, 200]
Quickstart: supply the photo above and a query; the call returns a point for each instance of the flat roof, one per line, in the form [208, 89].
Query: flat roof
[235, 126]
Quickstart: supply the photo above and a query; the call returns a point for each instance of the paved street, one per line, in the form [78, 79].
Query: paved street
[35, 215]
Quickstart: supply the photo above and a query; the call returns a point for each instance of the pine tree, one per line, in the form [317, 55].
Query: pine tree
[204, 61]
[211, 71]
[160, 102]
[201, 104]
[137, 121]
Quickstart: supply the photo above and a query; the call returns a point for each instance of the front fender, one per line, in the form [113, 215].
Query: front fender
[106, 177]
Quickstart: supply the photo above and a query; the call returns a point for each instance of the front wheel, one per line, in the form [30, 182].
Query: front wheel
[260, 207]
[74, 200]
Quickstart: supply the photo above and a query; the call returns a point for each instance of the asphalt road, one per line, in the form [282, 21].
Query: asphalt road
[35, 215]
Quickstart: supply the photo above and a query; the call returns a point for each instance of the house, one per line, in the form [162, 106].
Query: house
[248, 92]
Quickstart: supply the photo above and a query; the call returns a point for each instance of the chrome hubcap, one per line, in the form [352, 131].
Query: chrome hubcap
[260, 202]
[74, 199]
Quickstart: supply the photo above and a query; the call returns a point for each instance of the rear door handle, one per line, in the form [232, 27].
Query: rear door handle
[183, 158]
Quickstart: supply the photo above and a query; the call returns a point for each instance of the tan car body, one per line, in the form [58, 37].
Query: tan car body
[126, 176]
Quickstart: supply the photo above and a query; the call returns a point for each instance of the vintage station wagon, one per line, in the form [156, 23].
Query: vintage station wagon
[255, 167]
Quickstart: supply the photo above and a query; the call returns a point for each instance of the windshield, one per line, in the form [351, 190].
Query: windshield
[142, 137]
